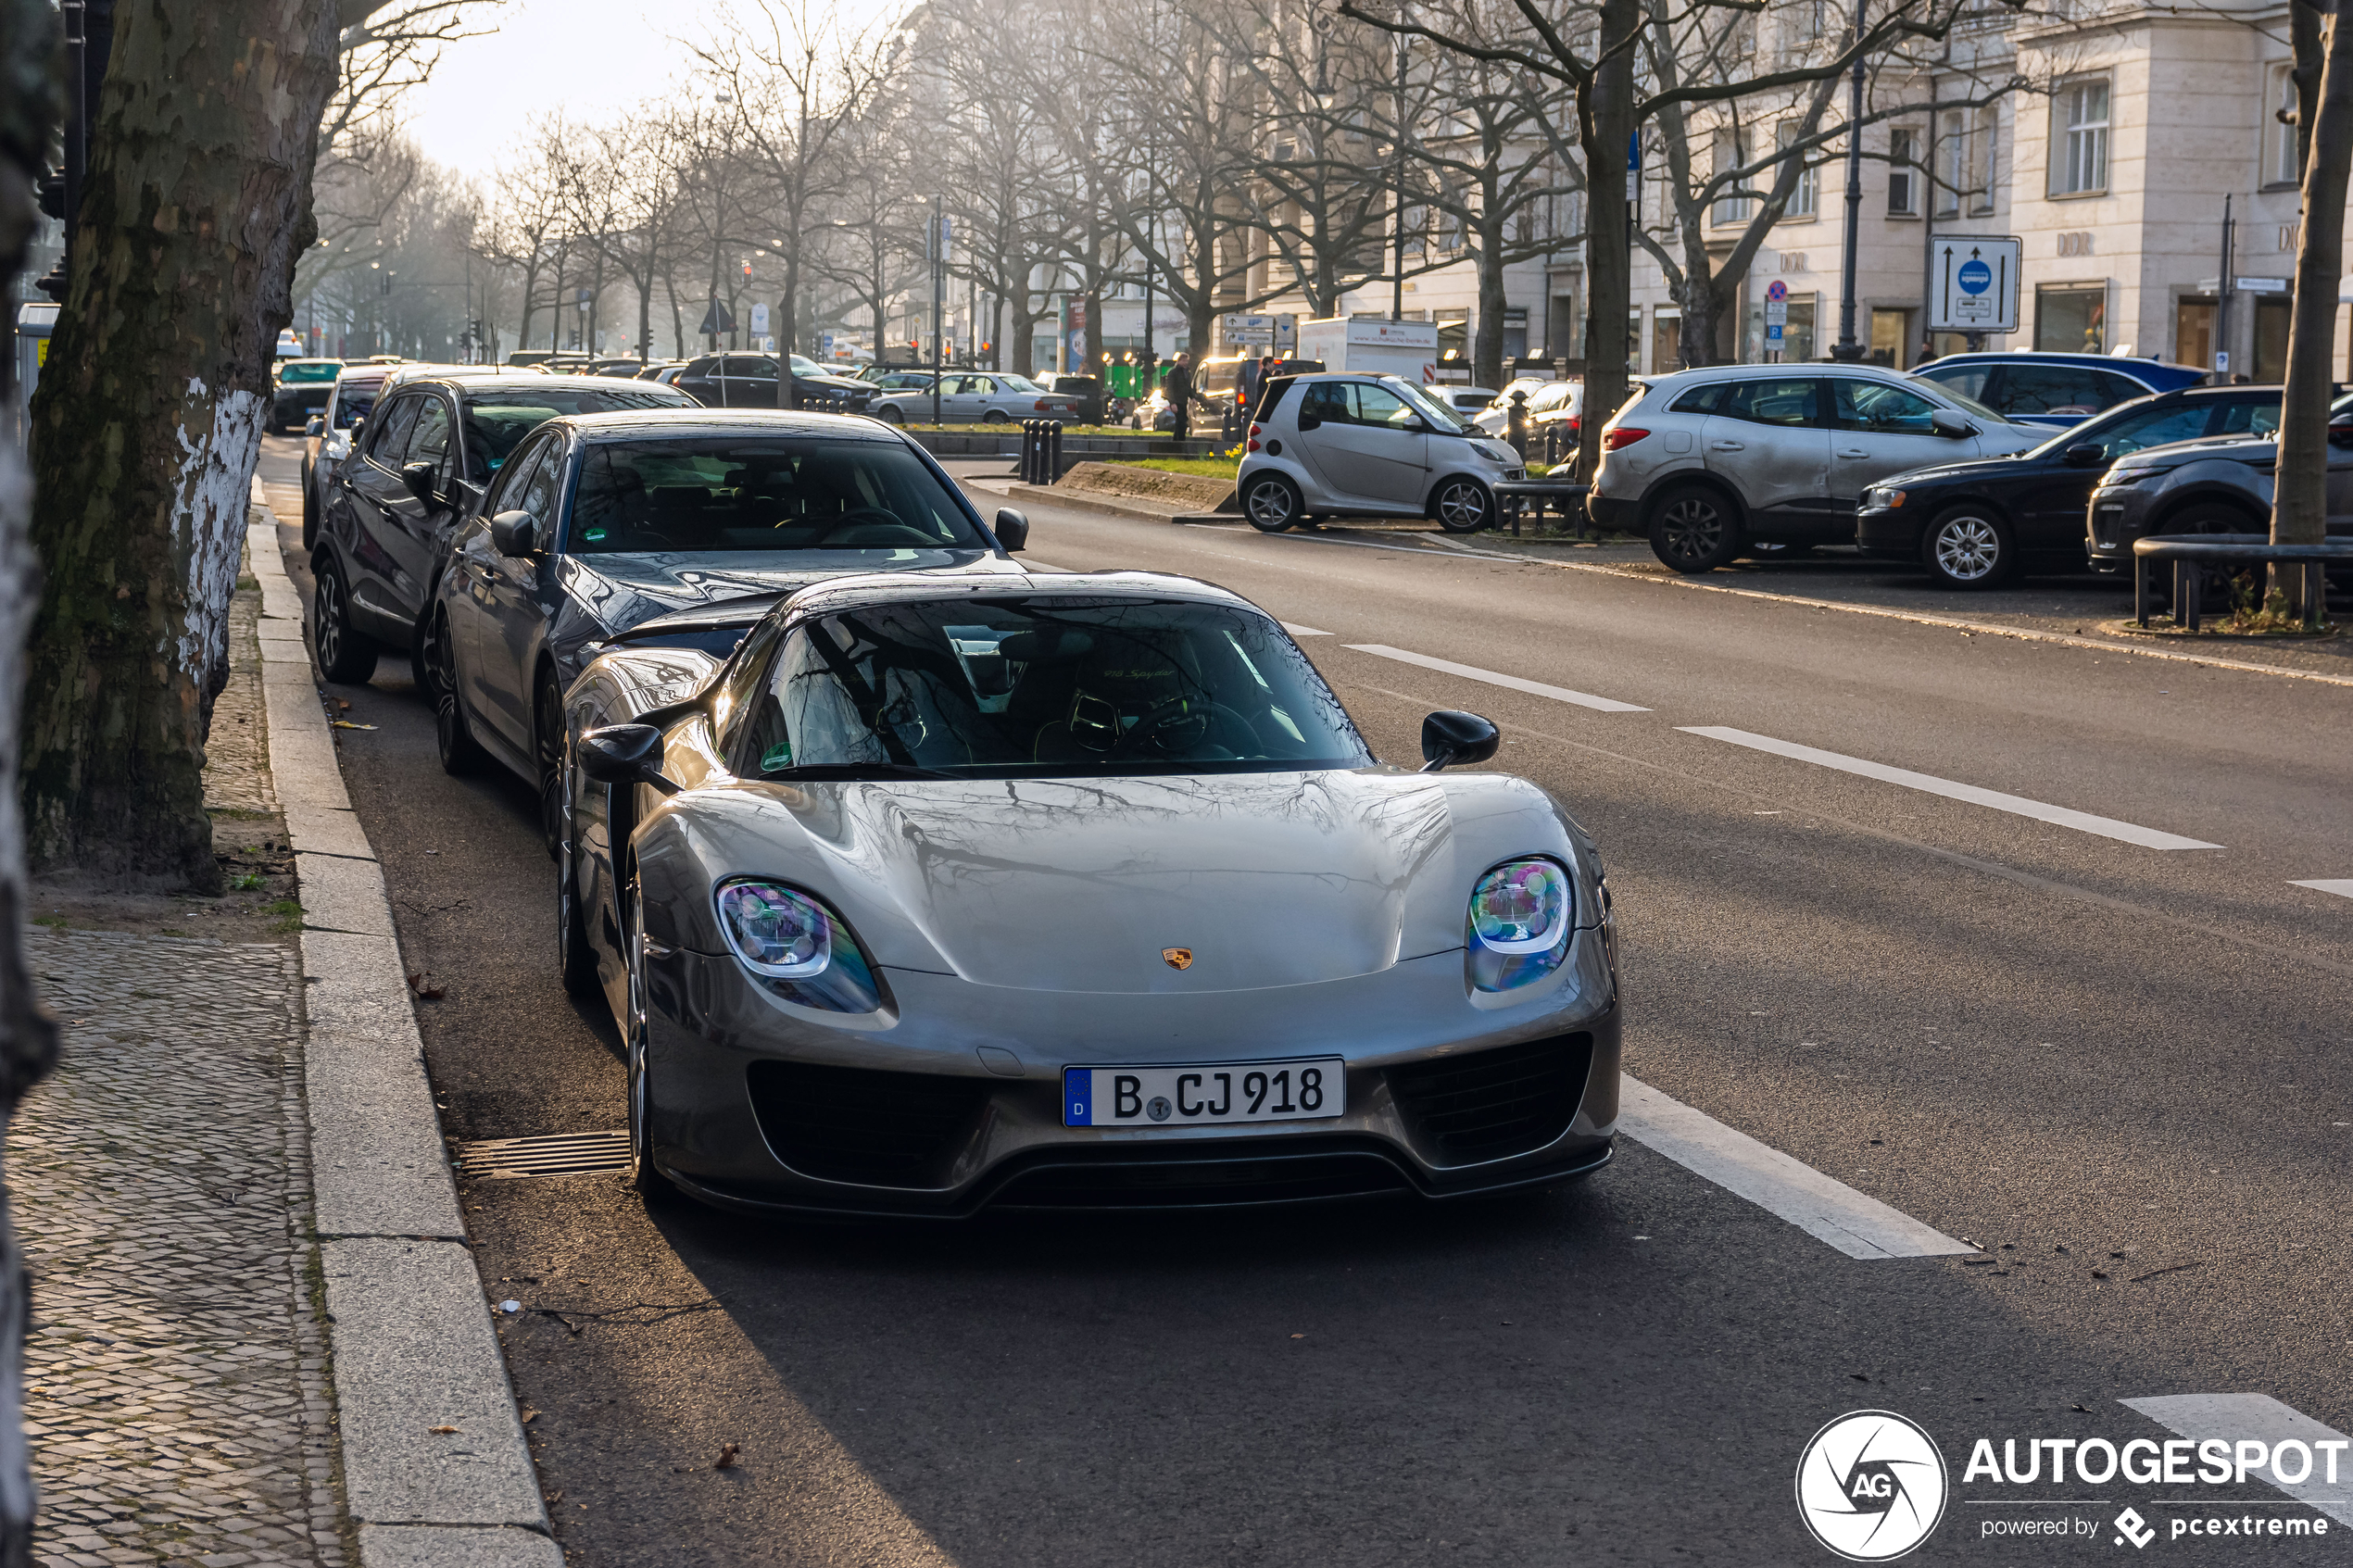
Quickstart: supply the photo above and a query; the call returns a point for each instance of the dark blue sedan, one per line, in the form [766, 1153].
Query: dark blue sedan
[2058, 390]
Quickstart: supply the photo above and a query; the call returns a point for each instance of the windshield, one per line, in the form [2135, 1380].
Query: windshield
[1431, 407]
[1045, 685]
[802, 366]
[496, 422]
[770, 492]
[1020, 383]
[1968, 404]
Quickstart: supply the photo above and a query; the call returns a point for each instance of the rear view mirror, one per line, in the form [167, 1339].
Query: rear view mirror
[514, 533]
[419, 478]
[1013, 528]
[2086, 455]
[625, 754]
[1451, 739]
[1949, 424]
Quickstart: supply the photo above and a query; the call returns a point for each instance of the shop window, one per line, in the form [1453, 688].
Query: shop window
[2071, 320]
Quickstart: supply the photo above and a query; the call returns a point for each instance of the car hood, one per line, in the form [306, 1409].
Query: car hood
[1977, 471]
[1079, 884]
[619, 591]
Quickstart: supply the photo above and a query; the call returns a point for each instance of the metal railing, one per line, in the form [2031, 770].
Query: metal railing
[2192, 555]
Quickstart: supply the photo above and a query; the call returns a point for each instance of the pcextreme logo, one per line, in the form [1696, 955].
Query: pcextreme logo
[1871, 1486]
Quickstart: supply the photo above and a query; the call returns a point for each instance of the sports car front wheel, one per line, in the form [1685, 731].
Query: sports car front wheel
[648, 1182]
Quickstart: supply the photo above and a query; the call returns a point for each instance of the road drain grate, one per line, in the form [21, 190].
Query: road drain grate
[562, 1154]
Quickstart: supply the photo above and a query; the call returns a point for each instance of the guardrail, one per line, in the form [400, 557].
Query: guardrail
[1041, 451]
[2192, 553]
[1515, 496]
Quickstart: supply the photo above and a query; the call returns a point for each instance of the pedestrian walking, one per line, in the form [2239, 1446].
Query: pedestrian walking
[1179, 386]
[1253, 380]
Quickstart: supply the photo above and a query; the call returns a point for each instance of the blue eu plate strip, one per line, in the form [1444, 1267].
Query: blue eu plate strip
[1079, 1096]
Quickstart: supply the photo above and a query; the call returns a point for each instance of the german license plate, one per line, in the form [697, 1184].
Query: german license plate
[1299, 1090]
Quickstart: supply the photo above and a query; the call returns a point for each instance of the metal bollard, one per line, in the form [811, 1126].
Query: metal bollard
[1053, 451]
[2185, 585]
[1515, 423]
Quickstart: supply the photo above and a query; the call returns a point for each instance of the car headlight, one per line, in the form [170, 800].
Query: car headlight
[1882, 497]
[2118, 478]
[1521, 915]
[796, 947]
[1495, 451]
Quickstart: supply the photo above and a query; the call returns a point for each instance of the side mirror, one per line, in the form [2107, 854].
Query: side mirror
[1451, 739]
[1950, 425]
[1013, 528]
[419, 478]
[314, 426]
[514, 533]
[625, 754]
[2086, 455]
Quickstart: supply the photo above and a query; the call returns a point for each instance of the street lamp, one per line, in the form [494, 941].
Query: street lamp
[1848, 349]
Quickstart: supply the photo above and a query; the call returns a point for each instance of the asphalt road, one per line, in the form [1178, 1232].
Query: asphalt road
[2120, 1070]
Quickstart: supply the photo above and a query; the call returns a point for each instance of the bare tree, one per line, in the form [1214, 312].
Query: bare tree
[2324, 129]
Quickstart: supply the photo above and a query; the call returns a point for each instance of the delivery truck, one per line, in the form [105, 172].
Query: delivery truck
[1375, 347]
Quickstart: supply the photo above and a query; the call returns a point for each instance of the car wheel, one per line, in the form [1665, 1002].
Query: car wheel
[1462, 506]
[996, 417]
[1271, 502]
[1692, 529]
[576, 960]
[547, 732]
[453, 737]
[889, 413]
[310, 516]
[647, 1181]
[1968, 547]
[347, 654]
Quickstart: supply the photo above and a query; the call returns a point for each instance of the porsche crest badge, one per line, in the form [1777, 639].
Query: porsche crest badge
[1178, 957]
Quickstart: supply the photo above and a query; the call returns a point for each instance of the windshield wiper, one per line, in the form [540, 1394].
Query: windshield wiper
[856, 770]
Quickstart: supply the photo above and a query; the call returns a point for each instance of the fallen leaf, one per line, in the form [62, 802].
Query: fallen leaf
[347, 724]
[2086, 1409]
[530, 1416]
[728, 1454]
[1299, 1337]
[443, 1431]
[421, 982]
[343, 705]
[555, 1497]
[2099, 1273]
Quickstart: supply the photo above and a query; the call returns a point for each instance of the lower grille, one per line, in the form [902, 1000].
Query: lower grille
[1202, 1180]
[1491, 1104]
[851, 1124]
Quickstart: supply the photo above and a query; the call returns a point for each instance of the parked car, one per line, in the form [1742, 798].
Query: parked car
[1366, 446]
[2219, 485]
[1546, 401]
[1712, 463]
[423, 459]
[300, 390]
[1155, 412]
[1088, 390]
[634, 526]
[1978, 524]
[2052, 389]
[1468, 401]
[327, 438]
[1063, 819]
[653, 369]
[966, 396]
[754, 380]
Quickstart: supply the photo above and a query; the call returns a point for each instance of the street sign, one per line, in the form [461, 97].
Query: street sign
[1973, 284]
[1777, 293]
[760, 321]
[718, 319]
[1248, 329]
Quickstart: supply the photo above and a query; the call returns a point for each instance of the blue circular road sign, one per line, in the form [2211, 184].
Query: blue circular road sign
[1974, 277]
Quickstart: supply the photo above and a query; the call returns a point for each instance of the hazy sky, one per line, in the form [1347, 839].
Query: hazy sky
[590, 58]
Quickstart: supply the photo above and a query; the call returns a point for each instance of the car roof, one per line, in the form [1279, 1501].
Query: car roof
[2123, 364]
[488, 380]
[836, 594]
[692, 420]
[1756, 372]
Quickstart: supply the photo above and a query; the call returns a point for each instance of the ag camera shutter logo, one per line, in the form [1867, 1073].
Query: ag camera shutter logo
[1871, 1486]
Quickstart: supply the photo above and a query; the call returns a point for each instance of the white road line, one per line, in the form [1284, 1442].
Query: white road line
[1856, 1225]
[1534, 688]
[2341, 886]
[2017, 804]
[2261, 1418]
[1302, 631]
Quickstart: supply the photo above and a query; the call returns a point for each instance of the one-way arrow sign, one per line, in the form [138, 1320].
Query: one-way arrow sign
[1973, 284]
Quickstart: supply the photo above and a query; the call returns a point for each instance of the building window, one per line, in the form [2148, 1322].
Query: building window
[1903, 172]
[1984, 169]
[1804, 195]
[2071, 320]
[2279, 138]
[1731, 152]
[2079, 145]
[1952, 162]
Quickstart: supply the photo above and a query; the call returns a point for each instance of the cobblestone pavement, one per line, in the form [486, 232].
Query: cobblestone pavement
[177, 1396]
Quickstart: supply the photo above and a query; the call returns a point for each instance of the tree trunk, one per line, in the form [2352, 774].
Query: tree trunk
[148, 422]
[1486, 348]
[1606, 128]
[28, 35]
[2299, 507]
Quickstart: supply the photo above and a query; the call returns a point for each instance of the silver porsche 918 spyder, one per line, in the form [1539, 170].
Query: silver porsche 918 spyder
[1071, 891]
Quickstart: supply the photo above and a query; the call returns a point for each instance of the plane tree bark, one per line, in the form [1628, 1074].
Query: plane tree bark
[2299, 497]
[148, 419]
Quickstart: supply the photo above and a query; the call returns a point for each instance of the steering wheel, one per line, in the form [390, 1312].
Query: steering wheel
[874, 521]
[1149, 729]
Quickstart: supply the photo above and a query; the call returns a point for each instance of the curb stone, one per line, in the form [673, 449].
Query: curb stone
[411, 1341]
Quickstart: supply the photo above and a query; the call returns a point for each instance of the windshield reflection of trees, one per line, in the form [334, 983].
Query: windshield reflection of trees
[989, 688]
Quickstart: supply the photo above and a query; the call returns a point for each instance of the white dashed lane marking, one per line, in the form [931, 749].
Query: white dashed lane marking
[1854, 1222]
[2320, 1456]
[2017, 804]
[1514, 682]
[2341, 886]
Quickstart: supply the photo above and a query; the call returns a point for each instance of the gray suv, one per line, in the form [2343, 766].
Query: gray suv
[2219, 486]
[1712, 463]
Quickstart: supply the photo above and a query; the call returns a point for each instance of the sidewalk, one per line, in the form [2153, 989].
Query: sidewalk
[257, 1334]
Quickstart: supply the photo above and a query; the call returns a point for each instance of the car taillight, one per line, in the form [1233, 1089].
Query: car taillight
[1254, 429]
[1043, 407]
[1620, 436]
[1575, 424]
[1253, 444]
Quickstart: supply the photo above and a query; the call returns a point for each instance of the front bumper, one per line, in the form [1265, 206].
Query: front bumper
[950, 1101]
[1889, 533]
[2108, 532]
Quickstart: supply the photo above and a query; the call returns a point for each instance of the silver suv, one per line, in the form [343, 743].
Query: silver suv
[1714, 463]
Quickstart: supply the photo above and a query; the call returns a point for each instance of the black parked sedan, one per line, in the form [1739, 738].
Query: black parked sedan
[659, 529]
[1978, 524]
[425, 456]
[755, 381]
